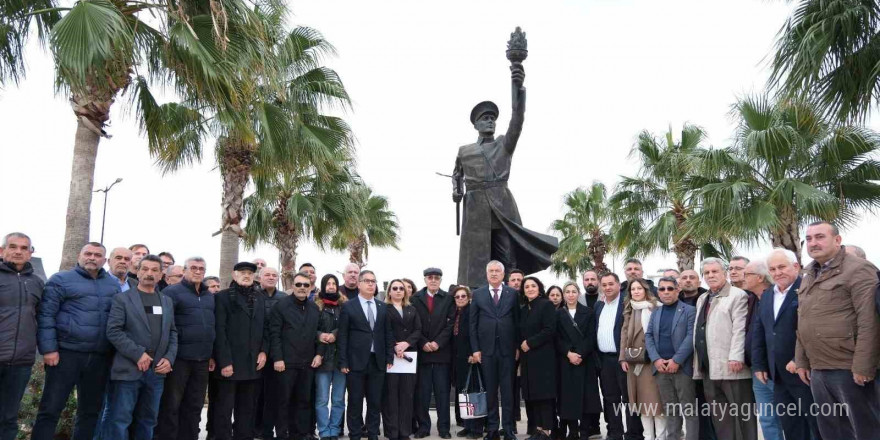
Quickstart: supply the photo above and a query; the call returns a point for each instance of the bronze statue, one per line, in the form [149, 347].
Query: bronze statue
[492, 228]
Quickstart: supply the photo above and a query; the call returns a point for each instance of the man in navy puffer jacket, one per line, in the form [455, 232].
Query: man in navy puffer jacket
[72, 335]
[185, 387]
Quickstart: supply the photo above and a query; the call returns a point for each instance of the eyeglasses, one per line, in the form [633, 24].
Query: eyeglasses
[196, 269]
[368, 281]
[301, 284]
[666, 289]
[460, 296]
[397, 289]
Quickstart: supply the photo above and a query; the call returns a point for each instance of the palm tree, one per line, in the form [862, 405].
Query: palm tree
[275, 126]
[650, 210]
[98, 47]
[375, 226]
[789, 165]
[290, 207]
[584, 229]
[829, 50]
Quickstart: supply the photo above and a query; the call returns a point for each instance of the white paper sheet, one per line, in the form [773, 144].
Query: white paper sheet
[402, 366]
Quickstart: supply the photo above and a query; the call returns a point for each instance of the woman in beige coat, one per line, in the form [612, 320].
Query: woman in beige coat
[644, 394]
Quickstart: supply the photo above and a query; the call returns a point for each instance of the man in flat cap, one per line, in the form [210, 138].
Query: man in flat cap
[492, 228]
[240, 349]
[436, 310]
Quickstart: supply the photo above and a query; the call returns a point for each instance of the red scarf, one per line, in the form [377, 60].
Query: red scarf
[328, 302]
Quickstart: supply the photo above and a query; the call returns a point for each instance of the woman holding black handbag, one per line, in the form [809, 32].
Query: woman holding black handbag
[643, 391]
[579, 376]
[462, 356]
[537, 332]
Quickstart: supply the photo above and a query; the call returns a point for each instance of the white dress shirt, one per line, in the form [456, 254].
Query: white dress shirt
[367, 314]
[606, 341]
[778, 298]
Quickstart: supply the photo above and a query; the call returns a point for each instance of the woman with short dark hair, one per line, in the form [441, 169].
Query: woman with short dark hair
[462, 356]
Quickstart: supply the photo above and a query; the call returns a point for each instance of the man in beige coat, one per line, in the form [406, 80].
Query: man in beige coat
[719, 354]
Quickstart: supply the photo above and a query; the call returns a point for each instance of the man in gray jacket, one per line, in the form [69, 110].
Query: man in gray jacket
[20, 293]
[141, 328]
[669, 341]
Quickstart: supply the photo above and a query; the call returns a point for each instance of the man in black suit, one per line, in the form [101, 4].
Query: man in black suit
[436, 311]
[366, 351]
[775, 335]
[493, 321]
[612, 378]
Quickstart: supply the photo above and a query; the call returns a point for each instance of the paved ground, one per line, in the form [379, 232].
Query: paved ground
[521, 428]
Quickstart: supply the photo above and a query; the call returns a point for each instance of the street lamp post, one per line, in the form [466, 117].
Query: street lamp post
[104, 217]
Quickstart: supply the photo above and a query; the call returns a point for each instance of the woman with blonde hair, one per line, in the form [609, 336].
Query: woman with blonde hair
[644, 394]
[397, 408]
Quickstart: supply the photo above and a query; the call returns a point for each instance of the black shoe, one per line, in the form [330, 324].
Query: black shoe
[373, 437]
[492, 435]
[421, 434]
[509, 437]
[514, 430]
[474, 435]
[445, 435]
[463, 433]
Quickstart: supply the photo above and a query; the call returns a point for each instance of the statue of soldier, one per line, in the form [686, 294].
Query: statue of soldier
[492, 228]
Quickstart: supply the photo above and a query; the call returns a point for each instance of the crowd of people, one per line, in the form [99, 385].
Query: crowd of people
[794, 349]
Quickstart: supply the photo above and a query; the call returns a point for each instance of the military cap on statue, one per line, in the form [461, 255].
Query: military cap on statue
[483, 107]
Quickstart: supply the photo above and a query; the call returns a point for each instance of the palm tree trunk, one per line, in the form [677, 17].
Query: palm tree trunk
[685, 254]
[236, 160]
[788, 235]
[79, 201]
[356, 250]
[287, 245]
[597, 249]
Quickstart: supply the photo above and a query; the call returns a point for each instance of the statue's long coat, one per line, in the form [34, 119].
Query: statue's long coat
[488, 204]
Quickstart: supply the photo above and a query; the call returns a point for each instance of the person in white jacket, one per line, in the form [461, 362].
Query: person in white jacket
[719, 354]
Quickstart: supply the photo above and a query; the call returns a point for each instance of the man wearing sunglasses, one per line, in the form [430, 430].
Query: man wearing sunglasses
[669, 341]
[293, 324]
[436, 311]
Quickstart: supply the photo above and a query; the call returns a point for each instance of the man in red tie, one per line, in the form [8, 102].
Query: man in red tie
[493, 322]
[436, 310]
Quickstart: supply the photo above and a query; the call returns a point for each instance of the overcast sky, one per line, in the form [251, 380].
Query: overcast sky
[598, 72]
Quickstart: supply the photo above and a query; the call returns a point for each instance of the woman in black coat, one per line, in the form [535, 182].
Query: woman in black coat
[576, 345]
[397, 411]
[462, 357]
[537, 331]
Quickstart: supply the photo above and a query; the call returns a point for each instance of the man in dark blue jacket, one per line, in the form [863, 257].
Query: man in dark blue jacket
[493, 322]
[185, 387]
[20, 292]
[773, 346]
[72, 336]
[366, 351]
